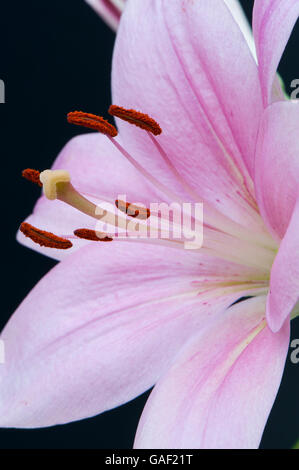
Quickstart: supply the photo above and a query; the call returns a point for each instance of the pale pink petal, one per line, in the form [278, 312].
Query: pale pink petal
[109, 10]
[277, 165]
[98, 169]
[221, 387]
[277, 189]
[284, 283]
[179, 65]
[240, 17]
[273, 21]
[100, 328]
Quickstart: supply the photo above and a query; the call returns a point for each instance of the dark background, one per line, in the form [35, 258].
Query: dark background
[56, 57]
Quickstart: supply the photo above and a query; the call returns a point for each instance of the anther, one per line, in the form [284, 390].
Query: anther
[132, 210]
[32, 175]
[92, 121]
[135, 117]
[92, 235]
[43, 238]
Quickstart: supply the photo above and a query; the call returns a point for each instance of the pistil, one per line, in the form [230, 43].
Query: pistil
[57, 185]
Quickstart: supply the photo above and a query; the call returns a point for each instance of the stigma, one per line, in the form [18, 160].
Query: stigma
[53, 181]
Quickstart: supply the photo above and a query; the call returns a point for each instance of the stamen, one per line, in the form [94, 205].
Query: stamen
[32, 175]
[43, 238]
[92, 235]
[135, 117]
[132, 210]
[145, 173]
[92, 121]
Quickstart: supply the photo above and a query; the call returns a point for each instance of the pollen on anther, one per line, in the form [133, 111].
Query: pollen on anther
[92, 121]
[32, 175]
[144, 121]
[92, 235]
[43, 238]
[132, 210]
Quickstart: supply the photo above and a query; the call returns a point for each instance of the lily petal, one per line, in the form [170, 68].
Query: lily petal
[221, 387]
[180, 78]
[240, 17]
[100, 329]
[277, 177]
[284, 282]
[110, 11]
[277, 165]
[273, 21]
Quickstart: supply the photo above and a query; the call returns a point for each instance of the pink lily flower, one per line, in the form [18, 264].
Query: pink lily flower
[113, 319]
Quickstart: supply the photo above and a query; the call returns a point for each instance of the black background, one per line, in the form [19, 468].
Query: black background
[56, 57]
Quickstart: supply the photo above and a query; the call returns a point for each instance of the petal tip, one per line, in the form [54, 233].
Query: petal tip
[274, 322]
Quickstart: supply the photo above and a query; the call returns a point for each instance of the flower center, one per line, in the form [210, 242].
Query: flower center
[223, 237]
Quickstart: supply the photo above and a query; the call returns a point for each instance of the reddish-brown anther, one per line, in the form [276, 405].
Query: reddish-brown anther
[135, 117]
[32, 175]
[132, 210]
[92, 235]
[92, 121]
[43, 238]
